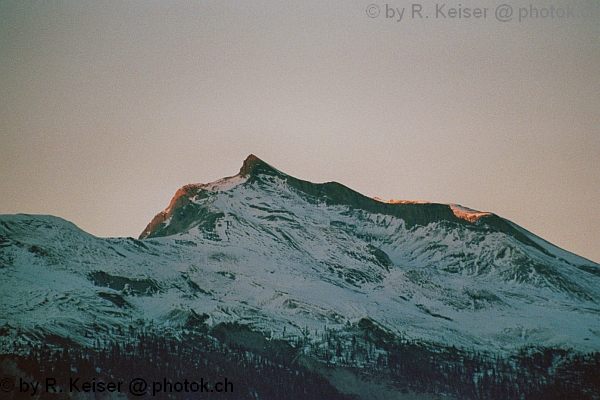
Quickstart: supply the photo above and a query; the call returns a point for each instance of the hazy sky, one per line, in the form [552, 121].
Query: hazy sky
[108, 107]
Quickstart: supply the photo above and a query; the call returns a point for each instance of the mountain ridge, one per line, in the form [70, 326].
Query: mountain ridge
[332, 193]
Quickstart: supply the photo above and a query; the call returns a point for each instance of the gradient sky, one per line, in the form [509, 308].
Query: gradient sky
[108, 107]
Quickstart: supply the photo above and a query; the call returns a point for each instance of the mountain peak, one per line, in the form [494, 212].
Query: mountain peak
[249, 163]
[254, 165]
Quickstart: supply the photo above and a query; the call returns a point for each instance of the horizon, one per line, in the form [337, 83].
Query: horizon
[108, 109]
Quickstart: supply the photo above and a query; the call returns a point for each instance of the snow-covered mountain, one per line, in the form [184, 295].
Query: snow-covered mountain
[286, 256]
[289, 257]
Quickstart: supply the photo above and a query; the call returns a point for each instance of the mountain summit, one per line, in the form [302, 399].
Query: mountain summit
[180, 212]
[254, 165]
[184, 212]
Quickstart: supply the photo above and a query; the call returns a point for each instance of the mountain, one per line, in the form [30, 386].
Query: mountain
[300, 263]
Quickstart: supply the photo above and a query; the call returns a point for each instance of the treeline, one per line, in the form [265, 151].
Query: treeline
[268, 369]
[532, 373]
[154, 356]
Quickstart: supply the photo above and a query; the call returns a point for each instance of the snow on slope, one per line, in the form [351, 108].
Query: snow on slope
[256, 249]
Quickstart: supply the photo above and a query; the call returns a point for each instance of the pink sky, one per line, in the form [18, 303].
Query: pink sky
[107, 108]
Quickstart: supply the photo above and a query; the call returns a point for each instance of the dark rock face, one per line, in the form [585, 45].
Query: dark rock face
[181, 209]
[255, 166]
